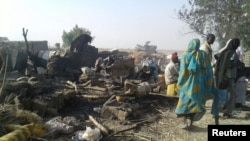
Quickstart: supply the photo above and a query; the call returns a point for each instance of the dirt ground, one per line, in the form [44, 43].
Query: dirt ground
[156, 121]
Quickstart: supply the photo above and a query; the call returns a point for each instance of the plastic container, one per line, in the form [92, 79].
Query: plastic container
[171, 89]
[161, 81]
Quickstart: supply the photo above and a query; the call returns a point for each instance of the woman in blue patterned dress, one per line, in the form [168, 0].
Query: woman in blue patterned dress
[194, 84]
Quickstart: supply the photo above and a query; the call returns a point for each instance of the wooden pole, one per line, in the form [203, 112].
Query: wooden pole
[102, 128]
[5, 72]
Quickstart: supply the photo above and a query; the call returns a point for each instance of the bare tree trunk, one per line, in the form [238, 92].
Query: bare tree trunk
[30, 55]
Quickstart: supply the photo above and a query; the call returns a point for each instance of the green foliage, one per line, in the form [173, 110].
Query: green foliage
[225, 18]
[68, 37]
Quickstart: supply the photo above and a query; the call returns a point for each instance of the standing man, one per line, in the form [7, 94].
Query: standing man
[171, 74]
[206, 47]
[172, 70]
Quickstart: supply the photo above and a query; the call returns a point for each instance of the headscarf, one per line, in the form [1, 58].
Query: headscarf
[232, 44]
[216, 56]
[223, 61]
[193, 55]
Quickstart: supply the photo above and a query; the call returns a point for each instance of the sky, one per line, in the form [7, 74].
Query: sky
[112, 23]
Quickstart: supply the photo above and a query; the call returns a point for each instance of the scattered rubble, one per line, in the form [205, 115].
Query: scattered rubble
[69, 96]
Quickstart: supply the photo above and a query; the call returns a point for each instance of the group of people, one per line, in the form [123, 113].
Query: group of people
[197, 79]
[196, 82]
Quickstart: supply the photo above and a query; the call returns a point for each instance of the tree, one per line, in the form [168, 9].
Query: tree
[69, 37]
[225, 18]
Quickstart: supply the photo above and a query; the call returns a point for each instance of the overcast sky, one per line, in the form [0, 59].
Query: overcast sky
[113, 23]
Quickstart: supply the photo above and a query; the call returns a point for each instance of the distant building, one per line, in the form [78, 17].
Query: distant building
[4, 39]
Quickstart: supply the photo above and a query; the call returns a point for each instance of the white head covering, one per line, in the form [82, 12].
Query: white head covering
[225, 47]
